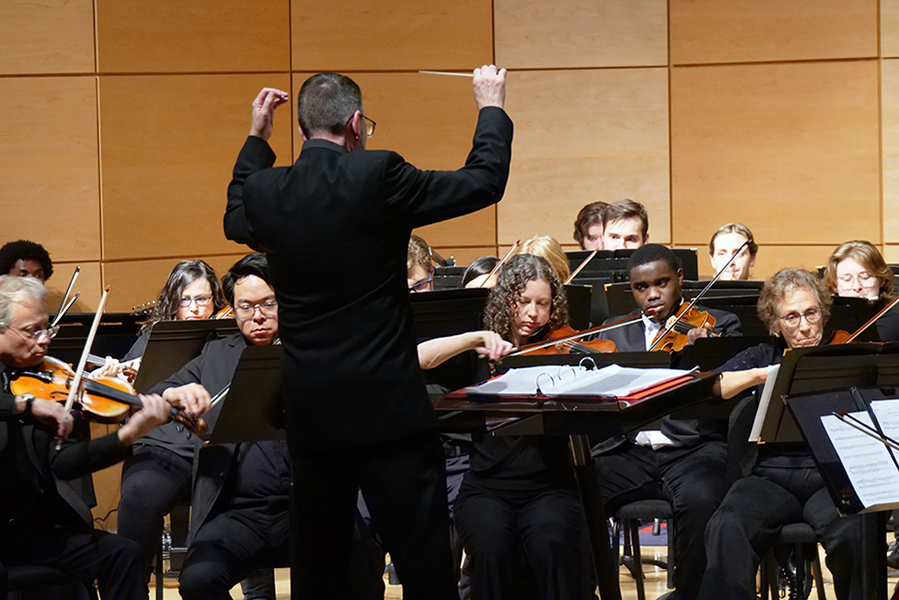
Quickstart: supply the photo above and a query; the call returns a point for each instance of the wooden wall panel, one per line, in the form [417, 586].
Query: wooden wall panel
[583, 136]
[174, 36]
[715, 31]
[430, 121]
[889, 28]
[168, 146]
[361, 35]
[139, 281]
[568, 33]
[891, 254]
[50, 191]
[46, 37]
[89, 284]
[791, 150]
[890, 148]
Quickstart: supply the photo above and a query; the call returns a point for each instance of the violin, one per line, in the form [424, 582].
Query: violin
[564, 340]
[225, 313]
[105, 399]
[673, 337]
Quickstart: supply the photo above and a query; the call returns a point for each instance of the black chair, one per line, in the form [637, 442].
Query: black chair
[627, 519]
[802, 538]
[37, 578]
[172, 546]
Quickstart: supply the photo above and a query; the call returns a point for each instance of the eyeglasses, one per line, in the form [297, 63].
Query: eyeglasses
[36, 334]
[864, 279]
[369, 127]
[419, 287]
[200, 300]
[245, 312]
[792, 320]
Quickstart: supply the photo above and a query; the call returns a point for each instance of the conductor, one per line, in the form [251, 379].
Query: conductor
[356, 410]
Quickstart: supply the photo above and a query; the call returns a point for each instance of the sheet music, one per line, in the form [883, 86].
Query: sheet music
[554, 380]
[866, 460]
[763, 403]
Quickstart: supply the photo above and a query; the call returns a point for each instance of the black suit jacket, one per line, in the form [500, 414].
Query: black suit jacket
[31, 448]
[335, 227]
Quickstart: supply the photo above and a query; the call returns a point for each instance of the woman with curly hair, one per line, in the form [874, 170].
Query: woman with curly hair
[785, 485]
[518, 513]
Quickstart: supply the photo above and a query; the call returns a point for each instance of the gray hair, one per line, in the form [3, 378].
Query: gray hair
[784, 281]
[326, 103]
[16, 289]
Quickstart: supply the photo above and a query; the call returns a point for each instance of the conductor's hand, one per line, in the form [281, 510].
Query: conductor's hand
[490, 345]
[193, 398]
[264, 111]
[489, 86]
[154, 412]
[53, 414]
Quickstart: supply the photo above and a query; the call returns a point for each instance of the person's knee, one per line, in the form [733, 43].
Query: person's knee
[201, 579]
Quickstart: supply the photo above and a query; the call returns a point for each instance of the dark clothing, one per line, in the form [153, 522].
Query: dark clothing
[55, 527]
[343, 335]
[691, 475]
[784, 488]
[353, 385]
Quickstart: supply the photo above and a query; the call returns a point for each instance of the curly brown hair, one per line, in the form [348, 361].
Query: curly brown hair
[786, 280]
[513, 278]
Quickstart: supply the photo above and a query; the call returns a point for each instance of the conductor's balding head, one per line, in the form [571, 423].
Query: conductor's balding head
[329, 105]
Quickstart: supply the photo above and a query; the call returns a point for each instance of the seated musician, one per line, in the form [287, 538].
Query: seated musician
[550, 250]
[588, 226]
[724, 244]
[42, 520]
[25, 258]
[158, 475]
[688, 466]
[785, 486]
[857, 269]
[477, 273]
[419, 266]
[518, 511]
[625, 225]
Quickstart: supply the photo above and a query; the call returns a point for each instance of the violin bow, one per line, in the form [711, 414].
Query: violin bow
[872, 320]
[500, 263]
[581, 266]
[63, 307]
[717, 276]
[576, 336]
[79, 372]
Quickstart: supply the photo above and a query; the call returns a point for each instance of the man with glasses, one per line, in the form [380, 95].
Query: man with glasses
[357, 412]
[42, 520]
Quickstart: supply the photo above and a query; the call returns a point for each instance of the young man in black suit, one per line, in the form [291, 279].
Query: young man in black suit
[42, 520]
[686, 462]
[357, 412]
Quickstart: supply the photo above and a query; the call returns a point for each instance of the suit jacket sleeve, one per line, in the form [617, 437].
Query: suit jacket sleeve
[255, 155]
[7, 406]
[78, 458]
[432, 196]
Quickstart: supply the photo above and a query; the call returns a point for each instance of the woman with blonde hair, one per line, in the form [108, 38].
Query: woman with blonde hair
[549, 249]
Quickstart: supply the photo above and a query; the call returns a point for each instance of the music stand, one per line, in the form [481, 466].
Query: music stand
[579, 305]
[448, 312]
[173, 344]
[253, 410]
[115, 335]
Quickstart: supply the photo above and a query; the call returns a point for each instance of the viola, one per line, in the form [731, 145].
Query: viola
[674, 337]
[105, 399]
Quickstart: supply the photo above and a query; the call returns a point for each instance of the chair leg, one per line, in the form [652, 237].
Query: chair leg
[160, 592]
[672, 553]
[817, 576]
[638, 563]
[799, 591]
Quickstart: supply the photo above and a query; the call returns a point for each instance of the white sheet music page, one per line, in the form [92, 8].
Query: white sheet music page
[763, 403]
[866, 460]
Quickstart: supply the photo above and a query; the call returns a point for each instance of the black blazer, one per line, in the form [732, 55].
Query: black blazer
[51, 469]
[630, 337]
[335, 227]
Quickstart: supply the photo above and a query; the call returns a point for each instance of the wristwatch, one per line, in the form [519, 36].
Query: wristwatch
[29, 400]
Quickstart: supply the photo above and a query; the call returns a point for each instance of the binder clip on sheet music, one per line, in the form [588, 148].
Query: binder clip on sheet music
[611, 382]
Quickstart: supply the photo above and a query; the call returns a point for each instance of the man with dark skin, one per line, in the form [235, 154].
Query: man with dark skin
[25, 258]
[685, 463]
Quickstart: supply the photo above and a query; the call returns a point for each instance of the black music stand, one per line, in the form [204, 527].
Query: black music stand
[115, 335]
[448, 312]
[253, 410]
[173, 344]
[823, 369]
[580, 298]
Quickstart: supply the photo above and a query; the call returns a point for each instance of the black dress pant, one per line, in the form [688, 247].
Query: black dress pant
[749, 520]
[404, 486]
[239, 539]
[85, 554]
[524, 544]
[154, 480]
[693, 480]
